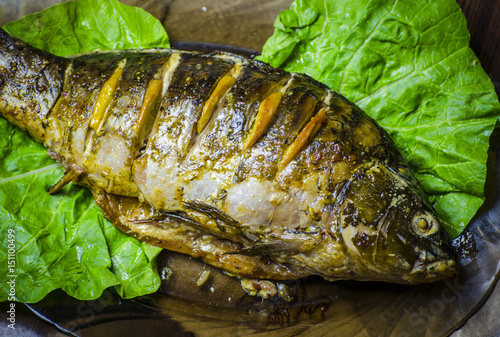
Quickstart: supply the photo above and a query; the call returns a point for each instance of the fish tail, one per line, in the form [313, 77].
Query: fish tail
[31, 81]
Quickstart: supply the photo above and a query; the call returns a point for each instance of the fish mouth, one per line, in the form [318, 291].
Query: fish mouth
[444, 268]
[430, 267]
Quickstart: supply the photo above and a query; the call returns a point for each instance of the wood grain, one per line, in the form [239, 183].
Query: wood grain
[483, 21]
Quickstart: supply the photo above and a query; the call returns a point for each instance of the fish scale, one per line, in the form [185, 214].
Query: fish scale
[259, 172]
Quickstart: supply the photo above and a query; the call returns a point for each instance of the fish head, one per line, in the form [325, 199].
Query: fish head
[390, 229]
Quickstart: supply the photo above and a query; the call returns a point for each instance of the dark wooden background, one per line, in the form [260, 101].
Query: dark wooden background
[483, 18]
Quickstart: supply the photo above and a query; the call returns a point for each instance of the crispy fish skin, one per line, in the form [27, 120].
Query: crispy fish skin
[31, 82]
[256, 171]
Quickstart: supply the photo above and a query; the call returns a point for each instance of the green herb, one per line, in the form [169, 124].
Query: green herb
[407, 64]
[63, 241]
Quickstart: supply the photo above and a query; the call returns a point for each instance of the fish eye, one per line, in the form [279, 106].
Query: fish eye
[424, 224]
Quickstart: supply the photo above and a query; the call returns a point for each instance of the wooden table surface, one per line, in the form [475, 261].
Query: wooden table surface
[483, 18]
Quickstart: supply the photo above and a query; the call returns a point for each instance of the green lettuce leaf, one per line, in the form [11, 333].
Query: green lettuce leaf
[63, 241]
[408, 65]
[86, 25]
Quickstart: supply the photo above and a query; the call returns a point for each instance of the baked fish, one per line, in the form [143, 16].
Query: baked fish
[257, 171]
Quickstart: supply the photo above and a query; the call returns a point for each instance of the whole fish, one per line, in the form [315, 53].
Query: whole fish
[257, 171]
